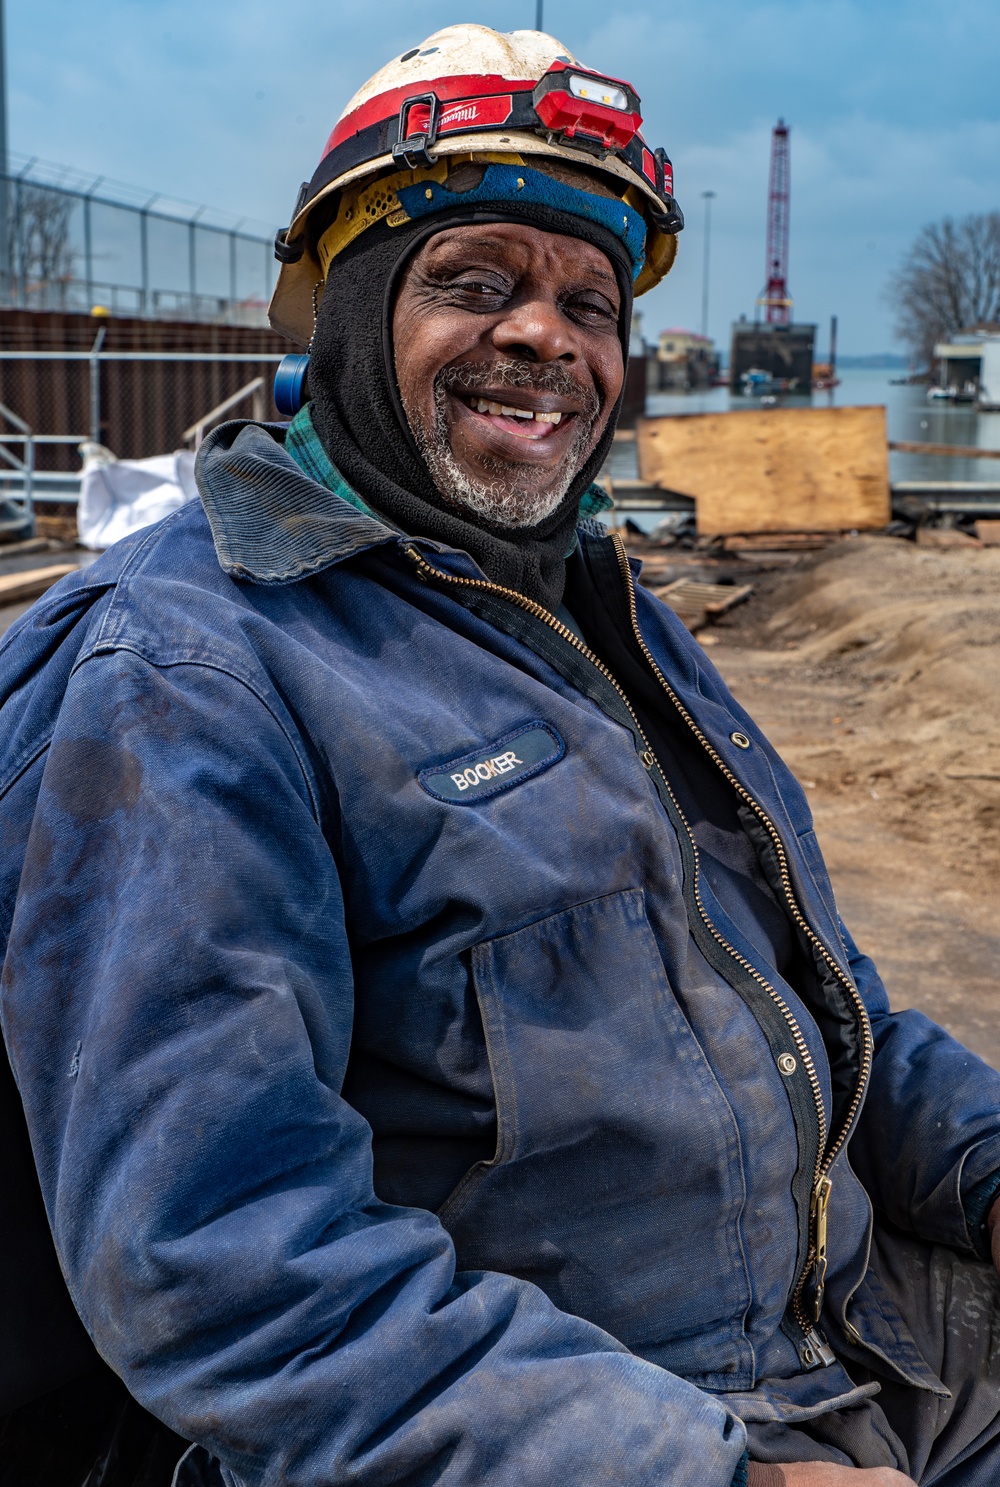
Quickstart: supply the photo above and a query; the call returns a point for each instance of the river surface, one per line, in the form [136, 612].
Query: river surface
[909, 415]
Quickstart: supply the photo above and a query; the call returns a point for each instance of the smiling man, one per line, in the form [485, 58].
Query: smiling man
[442, 1058]
[503, 436]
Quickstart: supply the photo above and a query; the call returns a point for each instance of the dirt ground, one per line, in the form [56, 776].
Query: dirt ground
[874, 667]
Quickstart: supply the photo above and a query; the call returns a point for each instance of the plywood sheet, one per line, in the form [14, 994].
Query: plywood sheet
[29, 584]
[773, 469]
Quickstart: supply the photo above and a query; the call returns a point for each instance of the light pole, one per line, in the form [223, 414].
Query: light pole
[708, 197]
[538, 14]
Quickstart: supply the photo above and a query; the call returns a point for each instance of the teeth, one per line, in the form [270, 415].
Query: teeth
[503, 410]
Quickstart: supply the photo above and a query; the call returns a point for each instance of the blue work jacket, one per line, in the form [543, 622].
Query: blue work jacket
[405, 1106]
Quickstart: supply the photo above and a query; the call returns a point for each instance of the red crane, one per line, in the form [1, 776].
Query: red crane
[776, 298]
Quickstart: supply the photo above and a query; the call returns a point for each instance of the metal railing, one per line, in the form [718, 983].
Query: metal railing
[251, 390]
[22, 480]
[25, 465]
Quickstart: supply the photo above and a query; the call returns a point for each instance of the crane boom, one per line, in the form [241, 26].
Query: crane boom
[776, 298]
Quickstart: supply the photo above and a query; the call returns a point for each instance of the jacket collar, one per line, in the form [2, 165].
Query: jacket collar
[272, 523]
[276, 516]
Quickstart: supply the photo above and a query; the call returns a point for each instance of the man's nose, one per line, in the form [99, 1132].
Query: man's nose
[535, 329]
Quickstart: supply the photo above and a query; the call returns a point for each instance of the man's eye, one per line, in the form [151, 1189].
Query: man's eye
[590, 307]
[479, 289]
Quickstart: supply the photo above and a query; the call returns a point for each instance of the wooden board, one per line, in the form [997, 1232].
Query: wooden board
[697, 603]
[15, 587]
[773, 469]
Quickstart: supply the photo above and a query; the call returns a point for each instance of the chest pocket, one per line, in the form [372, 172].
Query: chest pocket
[617, 1184]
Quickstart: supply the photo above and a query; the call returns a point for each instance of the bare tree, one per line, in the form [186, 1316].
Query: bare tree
[40, 241]
[949, 281]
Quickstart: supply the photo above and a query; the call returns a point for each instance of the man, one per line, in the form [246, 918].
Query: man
[438, 1042]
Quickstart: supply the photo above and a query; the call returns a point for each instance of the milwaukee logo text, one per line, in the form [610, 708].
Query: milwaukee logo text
[496, 768]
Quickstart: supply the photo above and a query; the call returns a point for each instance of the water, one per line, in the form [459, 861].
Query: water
[909, 416]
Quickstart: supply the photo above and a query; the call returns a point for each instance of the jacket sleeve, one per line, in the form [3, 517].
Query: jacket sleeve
[929, 1135]
[177, 1002]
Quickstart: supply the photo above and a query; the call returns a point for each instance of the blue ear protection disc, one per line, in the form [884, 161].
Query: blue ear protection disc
[291, 389]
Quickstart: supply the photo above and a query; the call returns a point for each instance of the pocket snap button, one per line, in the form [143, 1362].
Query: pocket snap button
[740, 740]
[786, 1063]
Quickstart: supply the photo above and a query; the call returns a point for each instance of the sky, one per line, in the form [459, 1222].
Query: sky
[894, 108]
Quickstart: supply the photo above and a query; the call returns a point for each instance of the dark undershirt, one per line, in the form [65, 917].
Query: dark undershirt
[728, 860]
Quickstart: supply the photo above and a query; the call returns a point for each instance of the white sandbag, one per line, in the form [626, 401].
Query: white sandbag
[121, 496]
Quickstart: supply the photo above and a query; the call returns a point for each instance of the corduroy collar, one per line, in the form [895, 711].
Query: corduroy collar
[279, 510]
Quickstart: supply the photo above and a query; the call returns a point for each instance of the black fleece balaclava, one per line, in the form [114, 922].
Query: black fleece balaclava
[357, 413]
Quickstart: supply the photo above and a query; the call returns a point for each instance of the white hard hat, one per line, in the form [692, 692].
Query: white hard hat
[481, 95]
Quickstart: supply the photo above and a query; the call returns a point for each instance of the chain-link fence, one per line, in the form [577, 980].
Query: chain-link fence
[66, 244]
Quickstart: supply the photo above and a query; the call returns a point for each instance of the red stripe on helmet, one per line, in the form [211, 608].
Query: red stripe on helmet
[387, 105]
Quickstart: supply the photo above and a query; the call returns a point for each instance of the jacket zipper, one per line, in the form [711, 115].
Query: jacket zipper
[814, 1350]
[816, 1258]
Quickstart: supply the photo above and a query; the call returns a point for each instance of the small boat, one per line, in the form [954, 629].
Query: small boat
[966, 394]
[755, 381]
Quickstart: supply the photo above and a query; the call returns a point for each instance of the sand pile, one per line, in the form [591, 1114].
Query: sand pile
[910, 640]
[875, 668]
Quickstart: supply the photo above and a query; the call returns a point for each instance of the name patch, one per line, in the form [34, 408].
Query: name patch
[497, 767]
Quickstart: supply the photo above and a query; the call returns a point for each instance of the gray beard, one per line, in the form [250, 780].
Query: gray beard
[504, 501]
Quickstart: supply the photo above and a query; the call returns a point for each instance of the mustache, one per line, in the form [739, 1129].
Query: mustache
[477, 376]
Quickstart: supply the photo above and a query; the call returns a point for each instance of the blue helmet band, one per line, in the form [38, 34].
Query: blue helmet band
[518, 185]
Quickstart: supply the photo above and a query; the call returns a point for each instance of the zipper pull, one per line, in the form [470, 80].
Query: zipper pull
[815, 1351]
[417, 559]
[819, 1206]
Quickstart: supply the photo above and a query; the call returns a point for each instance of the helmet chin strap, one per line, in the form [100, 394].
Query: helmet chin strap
[291, 378]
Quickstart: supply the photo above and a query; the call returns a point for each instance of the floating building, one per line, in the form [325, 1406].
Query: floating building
[771, 355]
[682, 360]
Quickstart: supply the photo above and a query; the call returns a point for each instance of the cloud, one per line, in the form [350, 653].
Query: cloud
[893, 104]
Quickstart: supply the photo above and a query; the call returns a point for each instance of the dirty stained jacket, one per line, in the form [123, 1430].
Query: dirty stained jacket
[405, 1106]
